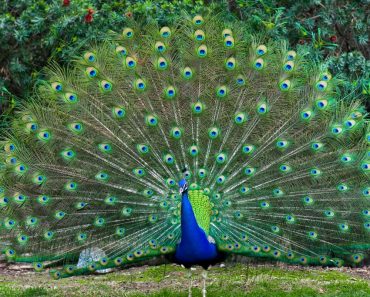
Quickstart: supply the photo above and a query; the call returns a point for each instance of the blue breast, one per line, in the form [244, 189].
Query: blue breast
[194, 248]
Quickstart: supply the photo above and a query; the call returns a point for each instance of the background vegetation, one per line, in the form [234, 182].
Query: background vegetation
[32, 32]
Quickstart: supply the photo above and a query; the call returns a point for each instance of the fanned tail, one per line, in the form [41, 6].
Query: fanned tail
[93, 160]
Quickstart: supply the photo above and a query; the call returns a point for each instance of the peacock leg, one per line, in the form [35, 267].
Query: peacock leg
[204, 275]
[190, 282]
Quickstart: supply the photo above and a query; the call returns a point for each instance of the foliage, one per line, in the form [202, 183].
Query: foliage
[33, 32]
[336, 30]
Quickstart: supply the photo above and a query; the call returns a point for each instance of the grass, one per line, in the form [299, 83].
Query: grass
[172, 280]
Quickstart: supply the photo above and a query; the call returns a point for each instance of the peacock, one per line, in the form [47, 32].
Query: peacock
[192, 142]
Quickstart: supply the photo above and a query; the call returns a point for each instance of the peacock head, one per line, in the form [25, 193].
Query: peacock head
[183, 186]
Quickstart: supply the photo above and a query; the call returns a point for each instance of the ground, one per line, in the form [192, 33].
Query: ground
[172, 280]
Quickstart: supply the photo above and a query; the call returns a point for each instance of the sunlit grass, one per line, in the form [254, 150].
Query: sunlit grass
[172, 280]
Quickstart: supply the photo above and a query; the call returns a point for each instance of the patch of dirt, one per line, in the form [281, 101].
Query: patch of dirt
[10, 269]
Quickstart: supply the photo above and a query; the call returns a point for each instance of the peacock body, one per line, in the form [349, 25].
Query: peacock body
[270, 161]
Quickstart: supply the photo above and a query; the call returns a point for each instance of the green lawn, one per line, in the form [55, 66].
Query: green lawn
[172, 280]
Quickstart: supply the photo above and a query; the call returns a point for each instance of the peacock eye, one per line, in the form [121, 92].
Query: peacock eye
[275, 229]
[261, 50]
[130, 63]
[105, 147]
[220, 179]
[139, 172]
[89, 57]
[59, 214]
[70, 98]
[282, 144]
[193, 150]
[39, 179]
[321, 104]
[366, 192]
[321, 86]
[277, 192]
[265, 204]
[187, 175]
[343, 227]
[229, 42]
[244, 190]
[176, 132]
[262, 108]
[226, 33]
[202, 173]
[198, 20]
[169, 159]
[91, 72]
[284, 85]
[291, 55]
[165, 32]
[9, 147]
[118, 112]
[365, 166]
[76, 127]
[240, 80]
[143, 148]
[221, 158]
[346, 158]
[315, 172]
[197, 108]
[214, 132]
[249, 171]
[187, 73]
[139, 85]
[202, 51]
[170, 92]
[121, 51]
[240, 118]
[44, 135]
[151, 120]
[70, 186]
[102, 176]
[230, 63]
[222, 91]
[152, 218]
[349, 124]
[284, 168]
[57, 86]
[336, 130]
[290, 218]
[306, 114]
[258, 64]
[160, 47]
[162, 63]
[31, 127]
[106, 86]
[199, 35]
[128, 33]
[288, 66]
[307, 200]
[99, 222]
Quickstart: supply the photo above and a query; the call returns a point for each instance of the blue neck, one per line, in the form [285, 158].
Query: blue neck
[188, 221]
[194, 247]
